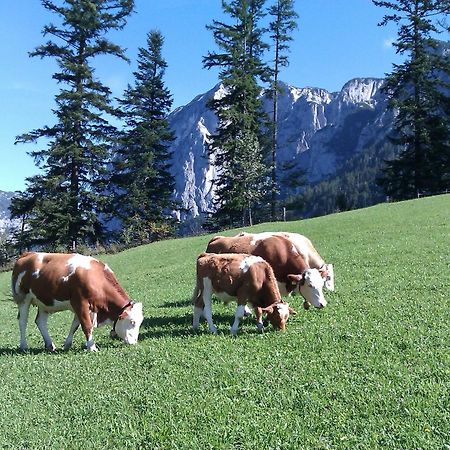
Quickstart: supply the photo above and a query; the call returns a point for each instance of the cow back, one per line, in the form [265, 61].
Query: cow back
[65, 277]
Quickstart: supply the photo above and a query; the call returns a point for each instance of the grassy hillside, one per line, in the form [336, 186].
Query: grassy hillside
[372, 370]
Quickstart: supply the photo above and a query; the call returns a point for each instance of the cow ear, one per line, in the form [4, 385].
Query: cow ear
[292, 311]
[268, 309]
[294, 279]
[123, 314]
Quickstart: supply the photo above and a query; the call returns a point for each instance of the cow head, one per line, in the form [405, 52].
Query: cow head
[128, 323]
[310, 284]
[278, 314]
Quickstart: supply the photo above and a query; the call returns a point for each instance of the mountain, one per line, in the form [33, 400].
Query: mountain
[318, 132]
[5, 200]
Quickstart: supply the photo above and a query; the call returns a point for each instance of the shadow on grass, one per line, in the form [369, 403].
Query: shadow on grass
[178, 326]
[19, 352]
[38, 351]
[177, 304]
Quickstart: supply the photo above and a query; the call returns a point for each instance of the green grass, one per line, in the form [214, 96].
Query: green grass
[370, 371]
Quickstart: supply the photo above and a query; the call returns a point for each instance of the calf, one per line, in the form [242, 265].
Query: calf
[291, 269]
[242, 277]
[56, 282]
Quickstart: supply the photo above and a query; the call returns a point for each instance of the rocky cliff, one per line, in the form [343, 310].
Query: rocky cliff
[318, 132]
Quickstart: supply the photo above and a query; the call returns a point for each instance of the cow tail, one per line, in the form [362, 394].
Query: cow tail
[197, 295]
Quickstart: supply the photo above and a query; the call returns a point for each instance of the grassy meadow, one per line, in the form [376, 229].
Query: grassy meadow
[370, 371]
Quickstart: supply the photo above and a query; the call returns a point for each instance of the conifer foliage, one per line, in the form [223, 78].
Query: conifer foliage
[239, 147]
[419, 90]
[283, 23]
[63, 203]
[142, 167]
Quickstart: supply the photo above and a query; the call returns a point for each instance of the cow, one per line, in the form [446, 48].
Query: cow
[246, 278]
[305, 247]
[290, 268]
[58, 281]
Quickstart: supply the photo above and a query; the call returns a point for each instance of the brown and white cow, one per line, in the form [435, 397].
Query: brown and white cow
[305, 247]
[290, 267]
[57, 281]
[246, 278]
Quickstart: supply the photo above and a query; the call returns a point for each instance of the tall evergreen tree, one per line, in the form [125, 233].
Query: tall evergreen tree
[419, 90]
[282, 25]
[66, 200]
[239, 146]
[142, 175]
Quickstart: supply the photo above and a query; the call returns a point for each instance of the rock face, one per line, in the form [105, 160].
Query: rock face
[317, 132]
[5, 222]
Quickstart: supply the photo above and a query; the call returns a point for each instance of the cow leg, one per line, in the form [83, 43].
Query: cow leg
[198, 312]
[41, 322]
[24, 310]
[207, 310]
[74, 327]
[84, 316]
[239, 314]
[259, 321]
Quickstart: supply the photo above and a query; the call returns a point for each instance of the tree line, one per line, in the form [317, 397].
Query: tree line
[98, 183]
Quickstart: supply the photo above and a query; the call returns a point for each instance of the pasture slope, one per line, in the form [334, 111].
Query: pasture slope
[370, 371]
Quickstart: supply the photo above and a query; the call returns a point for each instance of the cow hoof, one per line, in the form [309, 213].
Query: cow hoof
[260, 328]
[113, 335]
[51, 348]
[306, 305]
[213, 330]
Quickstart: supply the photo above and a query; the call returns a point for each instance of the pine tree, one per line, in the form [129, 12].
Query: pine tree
[238, 147]
[418, 91]
[281, 27]
[66, 200]
[142, 175]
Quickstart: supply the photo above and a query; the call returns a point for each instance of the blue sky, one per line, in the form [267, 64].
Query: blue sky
[336, 40]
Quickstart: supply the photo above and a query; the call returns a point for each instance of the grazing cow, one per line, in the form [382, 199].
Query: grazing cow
[291, 270]
[245, 278]
[56, 282]
[305, 247]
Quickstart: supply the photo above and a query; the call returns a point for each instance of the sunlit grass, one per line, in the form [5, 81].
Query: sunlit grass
[372, 370]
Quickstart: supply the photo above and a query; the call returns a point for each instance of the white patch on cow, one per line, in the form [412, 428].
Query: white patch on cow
[311, 289]
[329, 282]
[224, 296]
[94, 319]
[35, 274]
[107, 269]
[294, 250]
[75, 262]
[18, 281]
[128, 327]
[248, 261]
[90, 344]
[239, 314]
[40, 257]
[283, 310]
[260, 237]
[57, 305]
